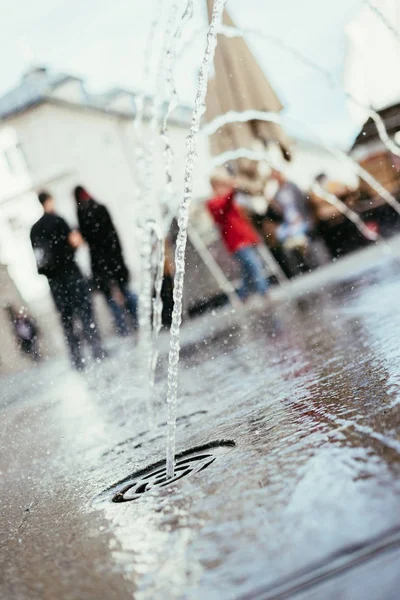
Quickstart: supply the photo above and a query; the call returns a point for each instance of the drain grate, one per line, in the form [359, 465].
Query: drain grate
[187, 463]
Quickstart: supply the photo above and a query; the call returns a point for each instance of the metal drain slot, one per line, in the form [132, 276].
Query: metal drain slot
[187, 463]
[192, 459]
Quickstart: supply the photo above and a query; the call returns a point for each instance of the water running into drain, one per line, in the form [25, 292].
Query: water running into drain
[165, 83]
[191, 156]
[160, 231]
[151, 222]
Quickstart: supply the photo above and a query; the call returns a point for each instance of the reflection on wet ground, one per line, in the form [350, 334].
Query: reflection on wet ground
[307, 503]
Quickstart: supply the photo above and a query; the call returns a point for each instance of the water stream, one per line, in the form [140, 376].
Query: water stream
[152, 239]
[172, 93]
[166, 198]
[144, 155]
[183, 218]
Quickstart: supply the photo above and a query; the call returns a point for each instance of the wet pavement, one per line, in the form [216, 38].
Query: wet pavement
[306, 504]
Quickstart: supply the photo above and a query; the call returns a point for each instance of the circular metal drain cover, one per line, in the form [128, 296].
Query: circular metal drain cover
[155, 476]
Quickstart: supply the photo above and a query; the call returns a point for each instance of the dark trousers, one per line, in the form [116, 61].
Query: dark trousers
[31, 347]
[167, 297]
[130, 305]
[73, 301]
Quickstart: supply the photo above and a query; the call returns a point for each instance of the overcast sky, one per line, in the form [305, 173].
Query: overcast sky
[105, 42]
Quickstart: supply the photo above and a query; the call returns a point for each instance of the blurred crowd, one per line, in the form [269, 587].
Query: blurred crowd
[253, 214]
[54, 244]
[302, 230]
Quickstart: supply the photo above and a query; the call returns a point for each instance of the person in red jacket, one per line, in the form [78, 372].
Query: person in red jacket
[239, 237]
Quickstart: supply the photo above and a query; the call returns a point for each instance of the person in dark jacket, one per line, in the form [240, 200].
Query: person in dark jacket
[54, 246]
[108, 266]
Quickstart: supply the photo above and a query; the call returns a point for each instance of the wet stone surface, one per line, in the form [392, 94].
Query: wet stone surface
[307, 504]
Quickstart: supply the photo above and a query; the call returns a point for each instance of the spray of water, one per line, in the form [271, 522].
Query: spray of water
[143, 161]
[183, 219]
[234, 117]
[229, 31]
[172, 92]
[149, 215]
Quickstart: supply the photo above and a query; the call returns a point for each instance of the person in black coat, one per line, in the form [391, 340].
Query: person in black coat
[54, 246]
[109, 270]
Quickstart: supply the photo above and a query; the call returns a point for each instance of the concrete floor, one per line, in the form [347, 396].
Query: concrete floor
[307, 504]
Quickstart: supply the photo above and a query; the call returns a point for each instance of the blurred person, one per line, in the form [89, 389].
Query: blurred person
[26, 332]
[267, 223]
[291, 203]
[54, 246]
[337, 232]
[109, 270]
[239, 237]
[332, 187]
[297, 232]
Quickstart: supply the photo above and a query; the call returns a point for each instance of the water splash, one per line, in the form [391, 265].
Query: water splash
[183, 219]
[153, 255]
[144, 154]
[234, 117]
[142, 159]
[231, 32]
[148, 202]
